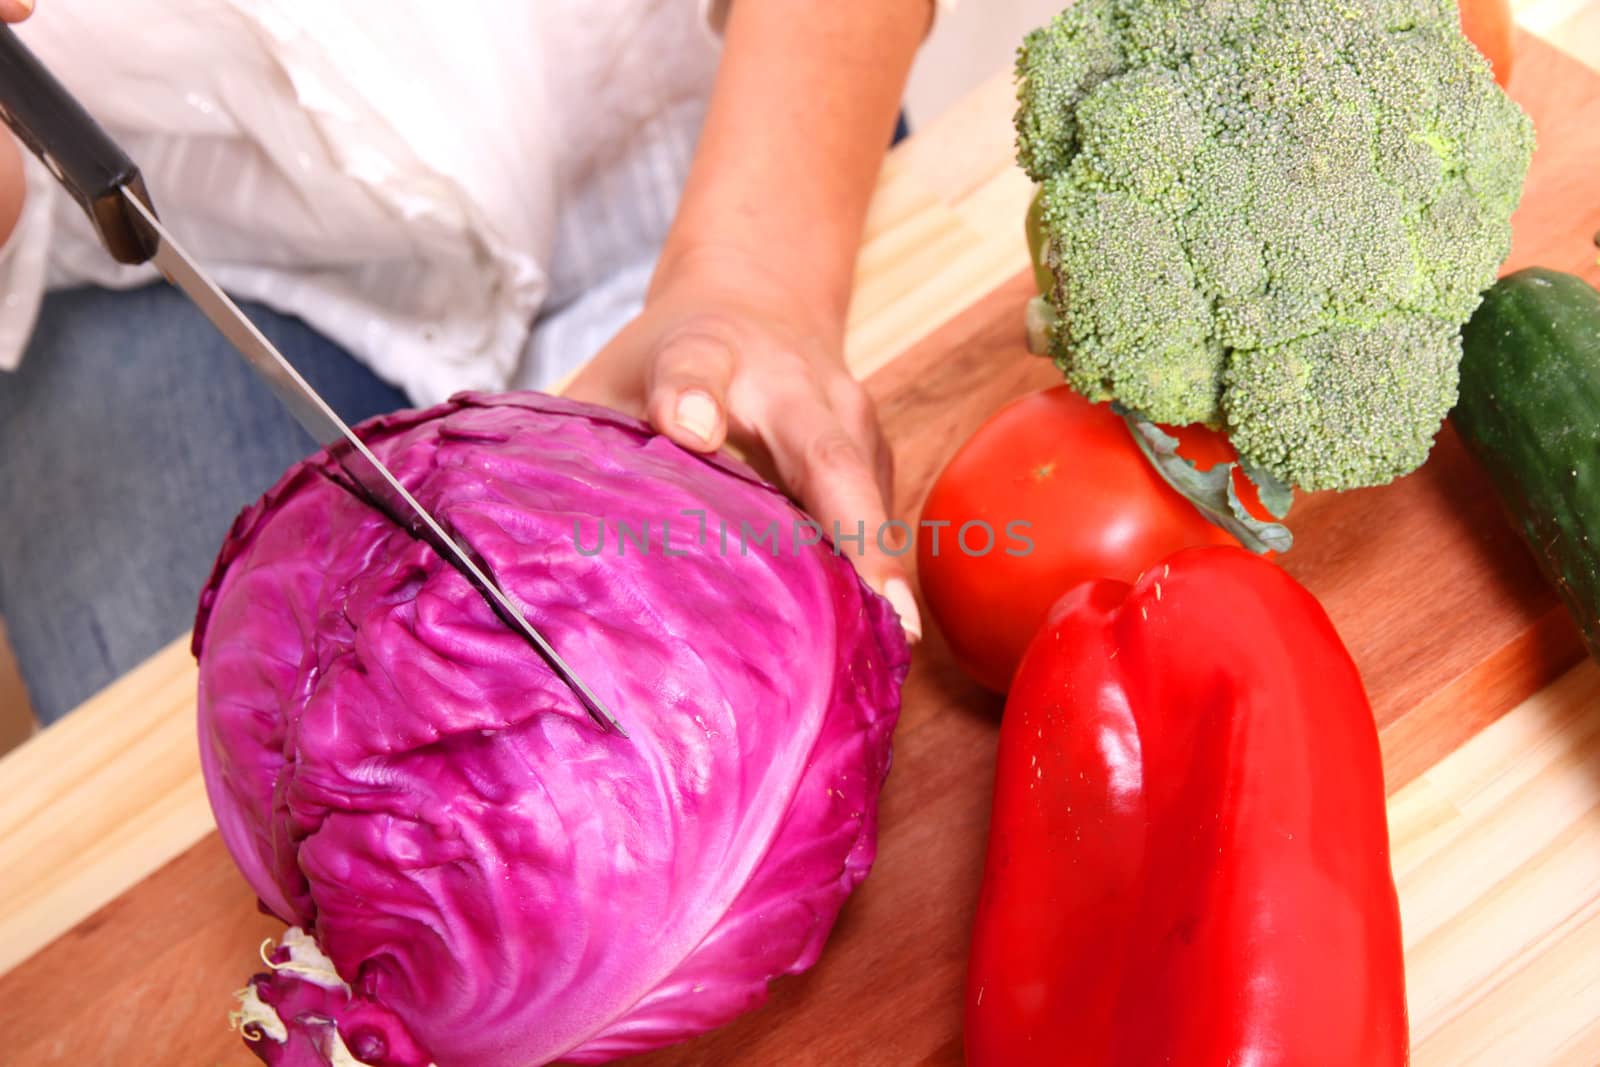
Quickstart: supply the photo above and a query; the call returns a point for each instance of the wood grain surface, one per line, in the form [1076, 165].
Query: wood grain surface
[1490, 723]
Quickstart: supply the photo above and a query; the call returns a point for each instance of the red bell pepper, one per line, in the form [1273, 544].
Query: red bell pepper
[1189, 853]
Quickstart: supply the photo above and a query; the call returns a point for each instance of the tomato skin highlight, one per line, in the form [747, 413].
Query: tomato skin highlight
[1094, 506]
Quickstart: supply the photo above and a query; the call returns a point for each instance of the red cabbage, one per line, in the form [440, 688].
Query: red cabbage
[495, 880]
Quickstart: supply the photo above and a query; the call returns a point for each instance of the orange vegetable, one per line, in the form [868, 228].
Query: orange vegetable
[1487, 24]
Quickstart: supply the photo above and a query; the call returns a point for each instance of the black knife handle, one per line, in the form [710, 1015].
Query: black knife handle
[56, 128]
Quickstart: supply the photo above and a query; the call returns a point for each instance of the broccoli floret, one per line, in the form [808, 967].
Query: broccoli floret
[1270, 216]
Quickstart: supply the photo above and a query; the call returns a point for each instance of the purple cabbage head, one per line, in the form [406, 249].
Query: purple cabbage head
[484, 876]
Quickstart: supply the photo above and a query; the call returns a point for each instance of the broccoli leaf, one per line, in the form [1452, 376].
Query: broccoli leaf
[1212, 491]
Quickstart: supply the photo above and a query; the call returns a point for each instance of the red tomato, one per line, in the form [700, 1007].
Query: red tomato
[1067, 496]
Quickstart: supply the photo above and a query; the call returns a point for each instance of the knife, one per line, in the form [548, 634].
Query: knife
[108, 187]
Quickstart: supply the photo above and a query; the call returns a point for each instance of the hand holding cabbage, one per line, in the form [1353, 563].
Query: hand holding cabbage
[497, 882]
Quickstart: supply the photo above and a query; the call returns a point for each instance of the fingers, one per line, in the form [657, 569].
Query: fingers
[821, 434]
[688, 397]
[830, 455]
[15, 10]
[612, 378]
[859, 416]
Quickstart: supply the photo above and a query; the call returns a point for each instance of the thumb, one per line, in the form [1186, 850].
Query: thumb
[688, 390]
[15, 10]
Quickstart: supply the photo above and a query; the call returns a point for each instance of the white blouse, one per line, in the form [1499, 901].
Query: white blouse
[464, 195]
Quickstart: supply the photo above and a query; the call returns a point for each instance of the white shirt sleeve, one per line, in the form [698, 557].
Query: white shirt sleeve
[384, 177]
[25, 262]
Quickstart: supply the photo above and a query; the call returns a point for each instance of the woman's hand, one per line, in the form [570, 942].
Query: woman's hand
[725, 353]
[15, 10]
[742, 335]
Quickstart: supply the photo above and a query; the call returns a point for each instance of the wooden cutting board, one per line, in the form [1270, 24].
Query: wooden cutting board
[1497, 840]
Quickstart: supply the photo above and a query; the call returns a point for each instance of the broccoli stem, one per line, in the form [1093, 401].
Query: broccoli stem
[1042, 276]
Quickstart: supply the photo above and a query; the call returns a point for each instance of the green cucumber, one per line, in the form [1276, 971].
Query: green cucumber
[1530, 413]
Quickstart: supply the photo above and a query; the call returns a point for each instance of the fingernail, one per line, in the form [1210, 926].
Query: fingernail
[21, 8]
[898, 593]
[697, 414]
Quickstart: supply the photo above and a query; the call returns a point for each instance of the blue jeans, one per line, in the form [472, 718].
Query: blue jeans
[129, 439]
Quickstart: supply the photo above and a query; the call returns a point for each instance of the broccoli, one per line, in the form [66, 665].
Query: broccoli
[1270, 216]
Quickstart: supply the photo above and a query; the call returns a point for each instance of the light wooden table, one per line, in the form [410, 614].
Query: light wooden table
[1497, 843]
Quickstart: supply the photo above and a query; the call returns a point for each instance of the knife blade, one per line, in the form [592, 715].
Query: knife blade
[383, 490]
[108, 186]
